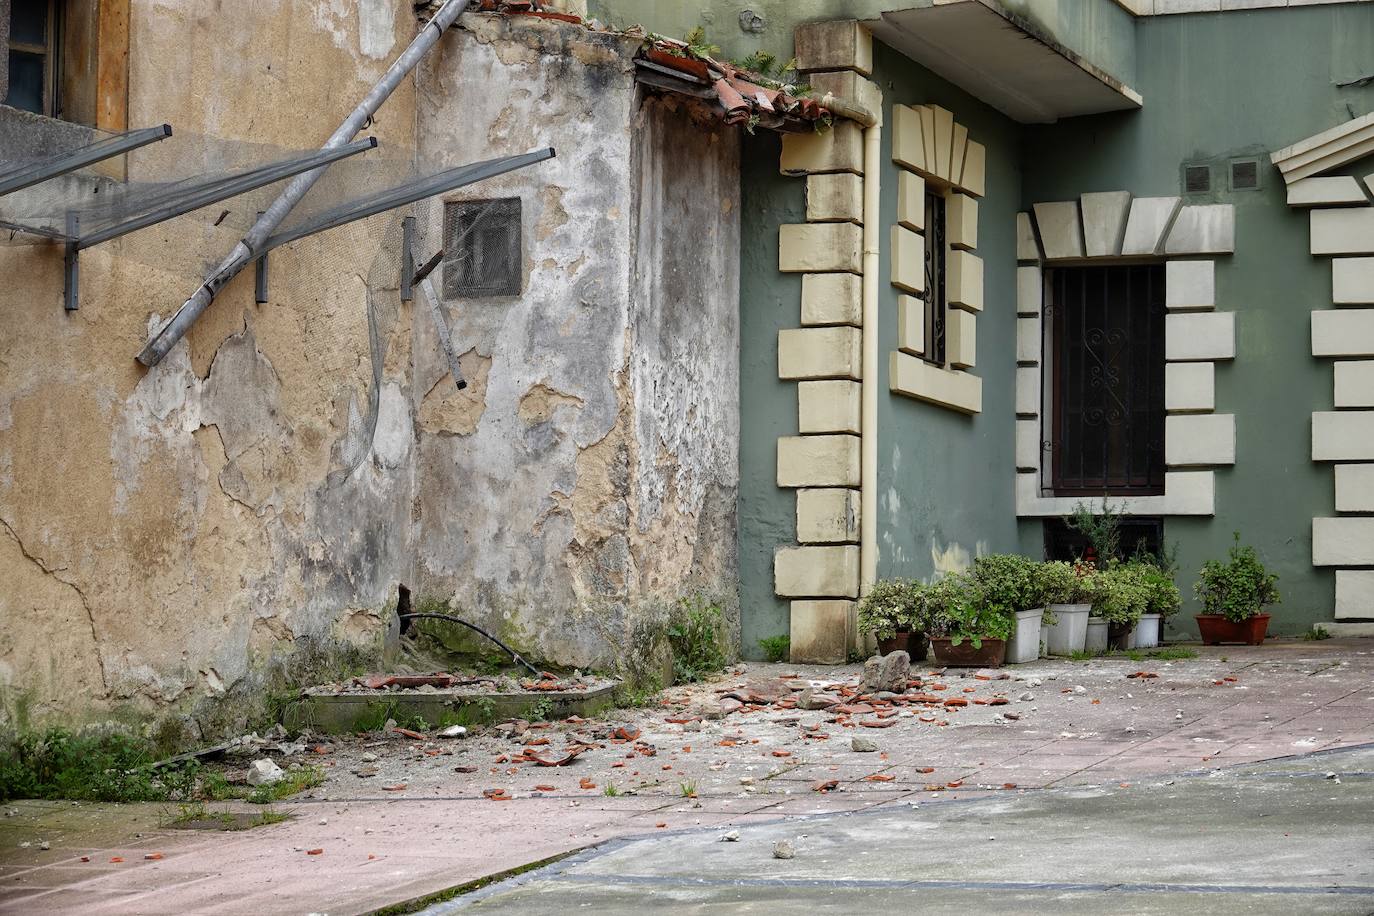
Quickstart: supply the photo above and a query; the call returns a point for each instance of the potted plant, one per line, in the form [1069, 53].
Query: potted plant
[892, 611]
[1065, 589]
[1120, 598]
[1234, 595]
[964, 631]
[1162, 600]
[1007, 585]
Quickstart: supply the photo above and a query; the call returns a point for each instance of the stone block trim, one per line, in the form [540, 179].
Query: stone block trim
[963, 280]
[815, 353]
[1343, 435]
[1200, 337]
[818, 461]
[1354, 383]
[1327, 150]
[1352, 280]
[1346, 541]
[1190, 285]
[1343, 332]
[1061, 231]
[911, 201]
[839, 149]
[815, 571]
[1354, 594]
[832, 299]
[1204, 229]
[1192, 440]
[822, 631]
[841, 44]
[1104, 222]
[911, 325]
[828, 516]
[1030, 291]
[961, 339]
[961, 222]
[1111, 224]
[829, 407]
[1355, 488]
[820, 248]
[824, 464]
[1345, 231]
[915, 378]
[1150, 217]
[1335, 191]
[908, 260]
[837, 197]
[1189, 387]
[928, 141]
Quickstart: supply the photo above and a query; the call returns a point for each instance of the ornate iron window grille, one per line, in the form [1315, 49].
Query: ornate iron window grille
[1107, 366]
[935, 279]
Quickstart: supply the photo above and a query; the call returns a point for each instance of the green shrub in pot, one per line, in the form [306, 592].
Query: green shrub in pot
[1238, 589]
[892, 606]
[1006, 583]
[1162, 596]
[957, 610]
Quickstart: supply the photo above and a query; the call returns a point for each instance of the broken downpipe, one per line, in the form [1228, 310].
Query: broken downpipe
[404, 614]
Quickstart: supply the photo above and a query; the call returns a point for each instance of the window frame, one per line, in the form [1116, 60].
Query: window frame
[1055, 365]
[459, 257]
[50, 51]
[935, 246]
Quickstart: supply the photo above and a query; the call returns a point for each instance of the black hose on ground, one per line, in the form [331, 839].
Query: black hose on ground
[472, 626]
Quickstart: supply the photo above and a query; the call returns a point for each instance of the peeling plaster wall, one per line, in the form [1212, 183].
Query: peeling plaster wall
[586, 477]
[165, 534]
[169, 538]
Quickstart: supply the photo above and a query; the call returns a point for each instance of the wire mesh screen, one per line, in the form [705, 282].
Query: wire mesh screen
[481, 248]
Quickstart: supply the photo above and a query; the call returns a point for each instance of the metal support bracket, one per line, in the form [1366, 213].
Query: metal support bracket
[260, 277]
[408, 259]
[71, 274]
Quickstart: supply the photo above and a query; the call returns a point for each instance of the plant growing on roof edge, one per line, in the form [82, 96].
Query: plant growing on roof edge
[1238, 589]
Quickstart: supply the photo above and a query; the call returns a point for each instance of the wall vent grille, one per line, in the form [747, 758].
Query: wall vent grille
[1197, 179]
[1245, 175]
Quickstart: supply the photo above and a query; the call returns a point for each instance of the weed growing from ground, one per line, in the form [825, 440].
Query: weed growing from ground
[775, 648]
[695, 637]
[1317, 632]
[295, 781]
[99, 766]
[610, 791]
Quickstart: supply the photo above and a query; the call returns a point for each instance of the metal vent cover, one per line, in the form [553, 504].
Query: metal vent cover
[482, 248]
[1245, 175]
[1197, 179]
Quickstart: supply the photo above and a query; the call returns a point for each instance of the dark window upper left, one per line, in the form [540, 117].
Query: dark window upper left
[34, 37]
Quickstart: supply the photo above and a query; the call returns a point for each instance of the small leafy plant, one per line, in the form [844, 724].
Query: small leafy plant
[1119, 595]
[1063, 583]
[892, 606]
[1317, 632]
[1238, 589]
[1102, 531]
[1162, 596]
[776, 648]
[1007, 583]
[696, 637]
[957, 611]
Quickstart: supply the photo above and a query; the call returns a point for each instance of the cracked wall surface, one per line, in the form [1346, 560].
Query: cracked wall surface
[170, 537]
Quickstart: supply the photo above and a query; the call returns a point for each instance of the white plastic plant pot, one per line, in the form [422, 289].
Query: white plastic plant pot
[1070, 631]
[1025, 639]
[1147, 631]
[1097, 636]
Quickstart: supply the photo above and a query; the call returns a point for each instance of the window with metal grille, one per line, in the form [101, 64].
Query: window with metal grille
[482, 248]
[935, 279]
[1107, 377]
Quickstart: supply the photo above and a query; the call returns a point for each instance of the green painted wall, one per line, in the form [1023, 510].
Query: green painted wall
[1099, 30]
[1218, 86]
[769, 301]
[945, 480]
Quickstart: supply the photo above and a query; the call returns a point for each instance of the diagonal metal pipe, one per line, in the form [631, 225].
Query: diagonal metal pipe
[174, 328]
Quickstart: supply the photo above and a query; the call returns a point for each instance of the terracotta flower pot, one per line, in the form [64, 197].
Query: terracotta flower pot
[914, 644]
[1216, 629]
[964, 655]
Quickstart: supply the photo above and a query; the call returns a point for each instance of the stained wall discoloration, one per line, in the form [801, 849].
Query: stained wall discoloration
[175, 535]
[588, 496]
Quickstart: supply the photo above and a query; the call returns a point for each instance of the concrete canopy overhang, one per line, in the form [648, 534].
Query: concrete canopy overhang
[1003, 59]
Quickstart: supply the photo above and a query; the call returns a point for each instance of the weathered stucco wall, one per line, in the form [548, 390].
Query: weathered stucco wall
[586, 479]
[167, 532]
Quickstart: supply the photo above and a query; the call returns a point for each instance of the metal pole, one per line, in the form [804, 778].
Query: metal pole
[176, 327]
